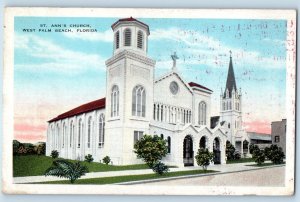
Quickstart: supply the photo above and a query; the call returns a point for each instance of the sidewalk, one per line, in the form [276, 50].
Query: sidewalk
[226, 168]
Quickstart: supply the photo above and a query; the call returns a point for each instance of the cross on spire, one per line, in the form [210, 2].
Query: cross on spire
[230, 52]
[174, 58]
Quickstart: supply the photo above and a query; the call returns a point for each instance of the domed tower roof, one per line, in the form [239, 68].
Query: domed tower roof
[130, 34]
[131, 19]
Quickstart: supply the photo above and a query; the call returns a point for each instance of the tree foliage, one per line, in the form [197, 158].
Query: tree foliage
[66, 169]
[252, 148]
[275, 154]
[259, 156]
[151, 149]
[229, 150]
[204, 157]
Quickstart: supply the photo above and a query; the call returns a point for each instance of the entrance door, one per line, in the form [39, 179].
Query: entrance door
[188, 153]
[217, 152]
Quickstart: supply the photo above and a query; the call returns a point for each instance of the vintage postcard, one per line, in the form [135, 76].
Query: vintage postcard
[149, 101]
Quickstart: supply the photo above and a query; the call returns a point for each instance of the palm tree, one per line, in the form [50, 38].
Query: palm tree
[66, 169]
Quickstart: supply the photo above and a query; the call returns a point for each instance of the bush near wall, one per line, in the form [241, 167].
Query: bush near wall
[29, 148]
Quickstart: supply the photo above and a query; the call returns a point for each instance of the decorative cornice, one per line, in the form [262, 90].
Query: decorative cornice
[131, 55]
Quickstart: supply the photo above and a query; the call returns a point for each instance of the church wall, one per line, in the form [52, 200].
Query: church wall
[69, 148]
[199, 97]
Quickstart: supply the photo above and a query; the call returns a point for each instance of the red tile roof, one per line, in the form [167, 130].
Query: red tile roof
[97, 104]
[131, 19]
[192, 84]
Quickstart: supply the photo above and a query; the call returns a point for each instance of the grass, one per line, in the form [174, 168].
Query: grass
[264, 164]
[34, 165]
[129, 178]
[241, 160]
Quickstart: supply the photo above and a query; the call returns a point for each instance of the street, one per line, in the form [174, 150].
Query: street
[262, 177]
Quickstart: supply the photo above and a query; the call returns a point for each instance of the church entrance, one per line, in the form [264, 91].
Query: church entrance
[188, 153]
[217, 151]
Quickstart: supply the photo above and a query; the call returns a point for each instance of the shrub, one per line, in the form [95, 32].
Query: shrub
[267, 152]
[106, 160]
[229, 151]
[89, 158]
[151, 149]
[237, 155]
[252, 148]
[54, 154]
[160, 168]
[66, 169]
[40, 148]
[276, 154]
[204, 157]
[259, 156]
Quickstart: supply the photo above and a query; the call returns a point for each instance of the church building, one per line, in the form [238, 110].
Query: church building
[137, 103]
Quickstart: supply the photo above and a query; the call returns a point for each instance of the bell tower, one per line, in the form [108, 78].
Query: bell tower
[129, 90]
[231, 105]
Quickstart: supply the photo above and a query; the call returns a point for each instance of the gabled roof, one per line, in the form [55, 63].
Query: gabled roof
[175, 73]
[97, 104]
[131, 19]
[230, 83]
[193, 84]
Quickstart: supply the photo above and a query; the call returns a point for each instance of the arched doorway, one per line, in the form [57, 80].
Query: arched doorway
[217, 151]
[202, 143]
[245, 147]
[188, 153]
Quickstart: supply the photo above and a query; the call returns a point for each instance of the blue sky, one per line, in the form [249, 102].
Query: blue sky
[57, 71]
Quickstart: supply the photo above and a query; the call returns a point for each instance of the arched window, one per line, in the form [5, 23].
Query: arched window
[223, 105]
[169, 144]
[89, 132]
[79, 133]
[127, 37]
[117, 40]
[115, 101]
[138, 101]
[162, 136]
[64, 135]
[202, 143]
[57, 136]
[140, 39]
[71, 133]
[53, 135]
[229, 105]
[202, 113]
[101, 130]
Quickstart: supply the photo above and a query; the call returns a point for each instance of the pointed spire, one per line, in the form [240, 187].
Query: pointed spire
[230, 83]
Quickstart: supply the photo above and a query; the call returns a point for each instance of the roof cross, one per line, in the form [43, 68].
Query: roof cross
[174, 58]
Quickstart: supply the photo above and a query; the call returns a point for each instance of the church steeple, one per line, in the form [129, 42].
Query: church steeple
[230, 83]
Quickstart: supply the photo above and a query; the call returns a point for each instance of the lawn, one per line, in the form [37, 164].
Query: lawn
[128, 178]
[242, 160]
[264, 164]
[33, 165]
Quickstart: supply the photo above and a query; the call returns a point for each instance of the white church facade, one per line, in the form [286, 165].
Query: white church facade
[137, 103]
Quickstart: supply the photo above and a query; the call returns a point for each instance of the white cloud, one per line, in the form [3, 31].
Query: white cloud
[206, 50]
[54, 57]
[106, 36]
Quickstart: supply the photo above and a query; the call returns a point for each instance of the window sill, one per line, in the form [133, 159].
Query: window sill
[114, 118]
[137, 118]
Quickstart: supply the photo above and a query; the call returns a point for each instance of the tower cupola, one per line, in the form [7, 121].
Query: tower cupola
[130, 34]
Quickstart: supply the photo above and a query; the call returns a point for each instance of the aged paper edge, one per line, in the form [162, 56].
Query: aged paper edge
[8, 100]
